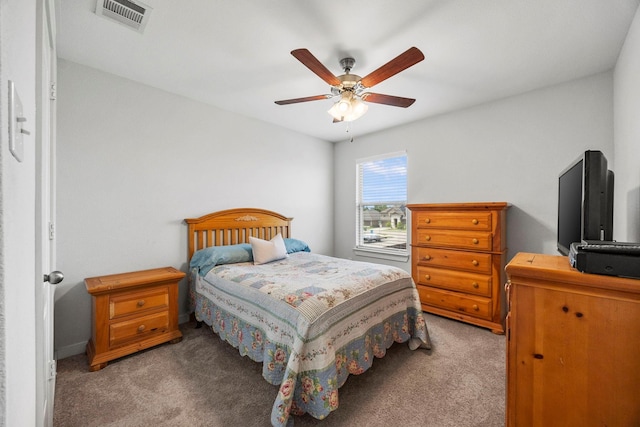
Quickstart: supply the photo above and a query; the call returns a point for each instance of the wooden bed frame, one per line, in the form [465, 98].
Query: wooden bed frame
[233, 226]
[236, 226]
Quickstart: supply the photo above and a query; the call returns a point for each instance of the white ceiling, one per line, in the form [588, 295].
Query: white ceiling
[235, 54]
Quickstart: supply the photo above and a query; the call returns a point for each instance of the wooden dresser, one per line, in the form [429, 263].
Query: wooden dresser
[131, 312]
[573, 345]
[457, 260]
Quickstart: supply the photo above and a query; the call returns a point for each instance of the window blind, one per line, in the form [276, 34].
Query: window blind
[383, 181]
[380, 203]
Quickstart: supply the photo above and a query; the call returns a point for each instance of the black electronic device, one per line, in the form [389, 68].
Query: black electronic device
[606, 257]
[585, 201]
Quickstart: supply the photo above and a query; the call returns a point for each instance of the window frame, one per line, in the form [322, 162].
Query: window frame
[401, 255]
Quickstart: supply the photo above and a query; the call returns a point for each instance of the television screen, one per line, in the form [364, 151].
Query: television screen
[570, 207]
[585, 201]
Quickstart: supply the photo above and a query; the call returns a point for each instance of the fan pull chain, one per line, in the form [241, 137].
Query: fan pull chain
[348, 131]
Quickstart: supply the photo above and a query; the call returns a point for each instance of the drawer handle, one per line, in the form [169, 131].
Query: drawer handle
[475, 307]
[427, 238]
[475, 262]
[475, 241]
[427, 220]
[141, 303]
[427, 277]
[141, 328]
[427, 257]
[474, 221]
[475, 285]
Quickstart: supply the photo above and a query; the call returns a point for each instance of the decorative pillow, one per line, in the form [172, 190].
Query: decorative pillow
[295, 245]
[266, 251]
[207, 258]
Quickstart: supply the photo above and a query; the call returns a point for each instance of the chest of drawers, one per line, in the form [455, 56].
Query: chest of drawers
[131, 312]
[458, 255]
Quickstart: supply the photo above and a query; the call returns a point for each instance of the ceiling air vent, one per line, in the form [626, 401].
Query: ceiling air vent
[133, 14]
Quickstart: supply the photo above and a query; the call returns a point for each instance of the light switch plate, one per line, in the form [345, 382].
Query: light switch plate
[16, 120]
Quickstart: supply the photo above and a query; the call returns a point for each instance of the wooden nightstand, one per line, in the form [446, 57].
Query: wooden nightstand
[132, 312]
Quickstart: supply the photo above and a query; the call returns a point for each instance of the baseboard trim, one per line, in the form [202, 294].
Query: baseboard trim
[70, 350]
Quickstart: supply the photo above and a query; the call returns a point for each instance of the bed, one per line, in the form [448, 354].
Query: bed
[310, 319]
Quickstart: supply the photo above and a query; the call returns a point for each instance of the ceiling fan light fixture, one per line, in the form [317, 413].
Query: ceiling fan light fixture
[344, 106]
[335, 112]
[348, 109]
[358, 108]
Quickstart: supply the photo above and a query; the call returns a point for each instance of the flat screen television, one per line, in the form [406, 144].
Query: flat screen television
[585, 201]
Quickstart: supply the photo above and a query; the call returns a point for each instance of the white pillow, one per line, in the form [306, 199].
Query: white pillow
[266, 251]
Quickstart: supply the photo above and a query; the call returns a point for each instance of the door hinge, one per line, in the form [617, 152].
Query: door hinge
[52, 231]
[52, 91]
[53, 369]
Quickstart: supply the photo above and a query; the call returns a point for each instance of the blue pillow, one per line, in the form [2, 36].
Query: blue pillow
[207, 258]
[295, 245]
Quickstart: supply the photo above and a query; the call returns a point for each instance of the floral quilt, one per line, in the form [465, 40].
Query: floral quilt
[311, 320]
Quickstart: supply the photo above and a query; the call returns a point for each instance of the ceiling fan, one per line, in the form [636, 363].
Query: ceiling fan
[352, 88]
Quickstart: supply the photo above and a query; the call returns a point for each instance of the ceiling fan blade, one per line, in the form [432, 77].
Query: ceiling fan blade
[401, 62]
[305, 99]
[312, 63]
[396, 101]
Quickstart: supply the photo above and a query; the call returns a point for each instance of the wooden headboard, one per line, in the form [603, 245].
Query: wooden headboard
[233, 226]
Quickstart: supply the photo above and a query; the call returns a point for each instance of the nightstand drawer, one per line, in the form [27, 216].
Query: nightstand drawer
[477, 284]
[468, 261]
[138, 328]
[481, 241]
[454, 220]
[135, 302]
[456, 302]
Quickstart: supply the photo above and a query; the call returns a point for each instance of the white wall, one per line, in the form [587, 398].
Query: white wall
[511, 150]
[627, 138]
[17, 225]
[134, 161]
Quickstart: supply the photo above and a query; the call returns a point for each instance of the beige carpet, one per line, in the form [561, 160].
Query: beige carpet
[203, 381]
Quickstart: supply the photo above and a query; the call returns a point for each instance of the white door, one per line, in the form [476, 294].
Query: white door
[45, 212]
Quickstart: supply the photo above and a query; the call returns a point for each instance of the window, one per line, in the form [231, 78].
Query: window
[381, 204]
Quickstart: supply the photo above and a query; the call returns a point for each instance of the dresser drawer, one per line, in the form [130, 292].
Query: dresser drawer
[468, 261]
[462, 303]
[477, 284]
[134, 302]
[479, 240]
[480, 221]
[138, 328]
